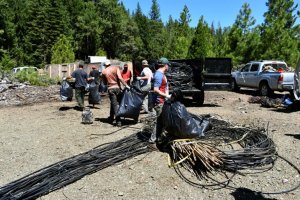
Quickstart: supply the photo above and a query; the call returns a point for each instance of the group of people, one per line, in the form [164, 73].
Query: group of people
[114, 77]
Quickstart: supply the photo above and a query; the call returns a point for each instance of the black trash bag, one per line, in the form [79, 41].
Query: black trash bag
[130, 104]
[66, 91]
[94, 96]
[136, 86]
[180, 123]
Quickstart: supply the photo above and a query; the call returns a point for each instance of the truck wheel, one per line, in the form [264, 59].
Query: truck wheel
[199, 98]
[264, 89]
[234, 86]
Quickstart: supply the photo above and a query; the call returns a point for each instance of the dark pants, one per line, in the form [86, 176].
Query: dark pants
[115, 96]
[79, 95]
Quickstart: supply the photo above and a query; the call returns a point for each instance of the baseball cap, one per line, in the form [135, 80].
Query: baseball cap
[107, 62]
[163, 61]
[144, 62]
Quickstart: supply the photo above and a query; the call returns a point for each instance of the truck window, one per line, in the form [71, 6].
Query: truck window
[254, 67]
[246, 68]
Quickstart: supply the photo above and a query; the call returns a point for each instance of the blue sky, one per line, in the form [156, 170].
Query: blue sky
[214, 11]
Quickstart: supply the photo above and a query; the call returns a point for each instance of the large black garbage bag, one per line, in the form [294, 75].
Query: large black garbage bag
[136, 86]
[130, 104]
[94, 96]
[66, 91]
[180, 123]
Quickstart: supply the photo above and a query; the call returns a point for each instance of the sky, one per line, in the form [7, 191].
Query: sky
[213, 11]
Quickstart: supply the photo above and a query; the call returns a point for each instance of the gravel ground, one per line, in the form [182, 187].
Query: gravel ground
[40, 134]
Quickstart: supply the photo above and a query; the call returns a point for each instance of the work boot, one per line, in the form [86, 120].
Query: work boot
[119, 124]
[152, 146]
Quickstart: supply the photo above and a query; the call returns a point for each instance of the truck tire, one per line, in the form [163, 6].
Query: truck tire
[264, 89]
[199, 98]
[234, 86]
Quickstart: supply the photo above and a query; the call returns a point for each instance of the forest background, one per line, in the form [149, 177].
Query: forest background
[35, 33]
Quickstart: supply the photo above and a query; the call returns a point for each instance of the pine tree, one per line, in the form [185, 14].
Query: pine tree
[62, 51]
[280, 34]
[202, 43]
[184, 34]
[243, 41]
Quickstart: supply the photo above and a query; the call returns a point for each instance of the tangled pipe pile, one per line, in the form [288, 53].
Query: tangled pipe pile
[70, 170]
[180, 76]
[224, 151]
[224, 148]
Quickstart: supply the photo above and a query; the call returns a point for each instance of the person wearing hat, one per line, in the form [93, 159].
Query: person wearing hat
[126, 74]
[113, 77]
[161, 93]
[81, 78]
[96, 74]
[145, 82]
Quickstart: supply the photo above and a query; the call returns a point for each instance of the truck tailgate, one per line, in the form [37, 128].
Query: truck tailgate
[217, 74]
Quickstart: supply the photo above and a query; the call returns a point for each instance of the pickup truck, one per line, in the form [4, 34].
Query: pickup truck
[194, 76]
[297, 82]
[267, 76]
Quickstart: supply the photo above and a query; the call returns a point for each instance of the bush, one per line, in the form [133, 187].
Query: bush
[34, 78]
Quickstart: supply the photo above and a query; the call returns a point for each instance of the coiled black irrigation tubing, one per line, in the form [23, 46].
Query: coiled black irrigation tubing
[256, 151]
[72, 169]
[229, 150]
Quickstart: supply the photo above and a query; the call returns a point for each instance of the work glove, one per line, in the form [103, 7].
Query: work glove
[127, 87]
[64, 78]
[168, 96]
[138, 78]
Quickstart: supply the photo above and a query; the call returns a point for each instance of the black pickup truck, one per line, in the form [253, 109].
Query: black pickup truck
[194, 76]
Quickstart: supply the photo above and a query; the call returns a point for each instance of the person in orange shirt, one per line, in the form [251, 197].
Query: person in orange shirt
[113, 77]
[126, 74]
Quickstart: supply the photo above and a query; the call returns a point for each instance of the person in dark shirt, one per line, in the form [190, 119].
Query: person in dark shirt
[81, 78]
[96, 74]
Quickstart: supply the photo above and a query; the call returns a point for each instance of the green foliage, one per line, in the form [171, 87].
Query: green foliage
[34, 78]
[7, 63]
[243, 42]
[62, 51]
[202, 43]
[279, 26]
[30, 33]
[155, 12]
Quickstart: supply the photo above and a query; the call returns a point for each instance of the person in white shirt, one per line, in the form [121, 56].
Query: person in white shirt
[145, 82]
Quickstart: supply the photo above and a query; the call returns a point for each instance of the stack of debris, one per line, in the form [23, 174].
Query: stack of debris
[15, 93]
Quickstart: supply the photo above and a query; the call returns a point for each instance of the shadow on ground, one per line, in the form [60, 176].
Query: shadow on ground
[296, 136]
[247, 194]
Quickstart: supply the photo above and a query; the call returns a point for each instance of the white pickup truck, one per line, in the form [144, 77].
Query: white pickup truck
[267, 76]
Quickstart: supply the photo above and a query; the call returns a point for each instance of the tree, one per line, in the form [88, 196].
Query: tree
[202, 43]
[46, 21]
[154, 12]
[184, 34]
[243, 41]
[89, 28]
[280, 34]
[62, 51]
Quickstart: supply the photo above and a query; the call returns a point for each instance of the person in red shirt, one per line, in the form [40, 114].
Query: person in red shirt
[126, 74]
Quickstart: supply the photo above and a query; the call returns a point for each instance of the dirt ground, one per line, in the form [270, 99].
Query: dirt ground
[35, 136]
